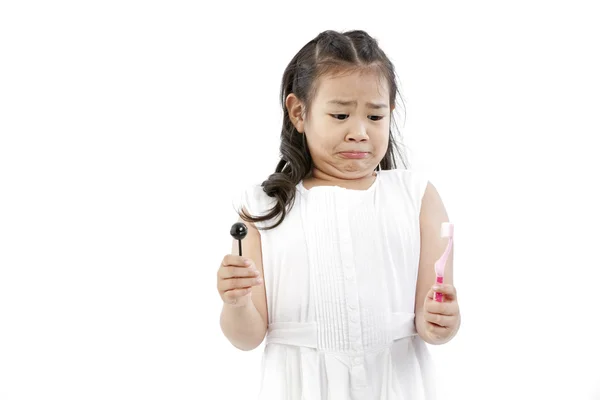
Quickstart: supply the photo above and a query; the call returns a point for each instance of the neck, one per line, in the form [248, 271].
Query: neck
[320, 178]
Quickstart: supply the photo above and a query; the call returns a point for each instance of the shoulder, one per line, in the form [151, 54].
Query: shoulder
[254, 200]
[409, 178]
[251, 195]
[252, 191]
[411, 182]
[432, 210]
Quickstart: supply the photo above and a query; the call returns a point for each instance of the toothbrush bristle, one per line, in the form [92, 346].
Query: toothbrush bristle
[447, 229]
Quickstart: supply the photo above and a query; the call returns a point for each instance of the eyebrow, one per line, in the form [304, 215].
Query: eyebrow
[375, 106]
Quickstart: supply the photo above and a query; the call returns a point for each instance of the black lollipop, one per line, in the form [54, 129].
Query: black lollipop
[239, 231]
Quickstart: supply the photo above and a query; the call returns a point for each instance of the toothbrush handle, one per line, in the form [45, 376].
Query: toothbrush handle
[439, 297]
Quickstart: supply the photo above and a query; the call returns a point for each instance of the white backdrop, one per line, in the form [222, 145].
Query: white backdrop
[126, 128]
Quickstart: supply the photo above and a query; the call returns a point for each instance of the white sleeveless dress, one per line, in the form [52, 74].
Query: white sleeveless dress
[340, 277]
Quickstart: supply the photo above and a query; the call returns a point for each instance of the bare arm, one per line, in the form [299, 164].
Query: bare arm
[245, 325]
[433, 214]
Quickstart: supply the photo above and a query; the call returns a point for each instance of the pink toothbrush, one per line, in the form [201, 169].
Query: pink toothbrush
[447, 232]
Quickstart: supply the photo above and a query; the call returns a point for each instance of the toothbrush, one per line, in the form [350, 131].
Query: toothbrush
[447, 232]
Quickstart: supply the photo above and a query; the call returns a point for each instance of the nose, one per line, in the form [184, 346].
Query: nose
[357, 132]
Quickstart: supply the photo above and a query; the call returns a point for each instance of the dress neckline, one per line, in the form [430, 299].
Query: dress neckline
[303, 189]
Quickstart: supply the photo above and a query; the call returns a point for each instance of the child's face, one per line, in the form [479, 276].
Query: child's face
[362, 125]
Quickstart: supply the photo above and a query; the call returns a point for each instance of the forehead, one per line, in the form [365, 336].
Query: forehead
[362, 85]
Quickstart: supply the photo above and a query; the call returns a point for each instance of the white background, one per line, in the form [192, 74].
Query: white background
[126, 128]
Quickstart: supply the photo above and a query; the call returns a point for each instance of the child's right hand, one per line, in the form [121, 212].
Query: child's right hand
[235, 278]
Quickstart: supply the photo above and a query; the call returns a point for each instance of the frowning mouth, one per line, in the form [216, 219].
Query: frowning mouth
[354, 154]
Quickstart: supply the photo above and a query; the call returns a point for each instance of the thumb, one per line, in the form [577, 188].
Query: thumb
[449, 291]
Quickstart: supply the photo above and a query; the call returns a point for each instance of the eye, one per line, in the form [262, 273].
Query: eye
[336, 116]
[342, 117]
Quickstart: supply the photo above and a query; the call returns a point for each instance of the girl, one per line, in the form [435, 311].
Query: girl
[337, 267]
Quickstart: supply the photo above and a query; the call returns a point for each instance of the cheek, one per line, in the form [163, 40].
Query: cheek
[324, 136]
[322, 145]
[382, 140]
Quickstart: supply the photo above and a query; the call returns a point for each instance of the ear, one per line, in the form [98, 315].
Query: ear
[296, 112]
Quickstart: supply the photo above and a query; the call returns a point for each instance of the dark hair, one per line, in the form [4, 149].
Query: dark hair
[328, 52]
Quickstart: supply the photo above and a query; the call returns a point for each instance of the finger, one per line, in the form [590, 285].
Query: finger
[449, 291]
[237, 272]
[443, 308]
[440, 320]
[232, 296]
[448, 294]
[437, 331]
[238, 283]
[232, 260]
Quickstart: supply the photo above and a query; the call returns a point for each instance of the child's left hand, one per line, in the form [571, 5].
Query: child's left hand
[442, 320]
